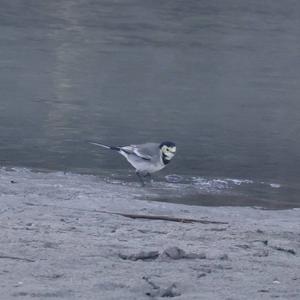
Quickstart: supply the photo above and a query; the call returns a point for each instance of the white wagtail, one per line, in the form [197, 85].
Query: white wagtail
[145, 158]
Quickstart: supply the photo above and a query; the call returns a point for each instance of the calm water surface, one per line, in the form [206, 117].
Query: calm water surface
[220, 78]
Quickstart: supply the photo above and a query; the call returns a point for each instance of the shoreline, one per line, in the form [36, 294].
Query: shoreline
[54, 244]
[193, 191]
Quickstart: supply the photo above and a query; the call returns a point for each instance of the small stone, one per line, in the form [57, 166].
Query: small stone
[201, 275]
[224, 257]
[177, 253]
[56, 276]
[143, 255]
[174, 253]
[263, 291]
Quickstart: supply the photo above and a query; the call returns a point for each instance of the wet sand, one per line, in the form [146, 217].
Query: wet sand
[55, 245]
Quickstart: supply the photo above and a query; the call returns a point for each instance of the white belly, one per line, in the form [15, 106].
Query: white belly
[146, 166]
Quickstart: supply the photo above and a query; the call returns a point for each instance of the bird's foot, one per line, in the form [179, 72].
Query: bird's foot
[140, 177]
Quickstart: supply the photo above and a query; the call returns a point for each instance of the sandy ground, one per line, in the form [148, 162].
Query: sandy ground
[53, 244]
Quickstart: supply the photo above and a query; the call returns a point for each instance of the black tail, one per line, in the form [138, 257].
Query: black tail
[105, 146]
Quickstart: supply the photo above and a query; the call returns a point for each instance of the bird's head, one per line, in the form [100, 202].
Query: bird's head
[168, 150]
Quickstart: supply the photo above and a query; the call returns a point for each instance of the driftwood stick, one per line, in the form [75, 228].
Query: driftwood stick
[135, 216]
[163, 218]
[16, 258]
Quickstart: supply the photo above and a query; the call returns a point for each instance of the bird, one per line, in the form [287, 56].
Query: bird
[145, 158]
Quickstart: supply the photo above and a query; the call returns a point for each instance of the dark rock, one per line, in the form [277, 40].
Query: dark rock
[177, 253]
[143, 255]
[168, 292]
[174, 253]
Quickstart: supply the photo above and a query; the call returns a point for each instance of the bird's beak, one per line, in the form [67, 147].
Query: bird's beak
[173, 150]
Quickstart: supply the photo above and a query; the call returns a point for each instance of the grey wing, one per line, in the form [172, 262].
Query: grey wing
[148, 151]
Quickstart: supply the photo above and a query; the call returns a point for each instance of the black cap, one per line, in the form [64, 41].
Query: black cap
[168, 144]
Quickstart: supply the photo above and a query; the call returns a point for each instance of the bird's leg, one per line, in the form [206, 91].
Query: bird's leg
[150, 177]
[139, 175]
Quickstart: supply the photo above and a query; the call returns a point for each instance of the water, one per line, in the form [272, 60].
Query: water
[220, 78]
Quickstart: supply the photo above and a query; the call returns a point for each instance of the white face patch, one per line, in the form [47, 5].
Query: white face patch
[169, 152]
